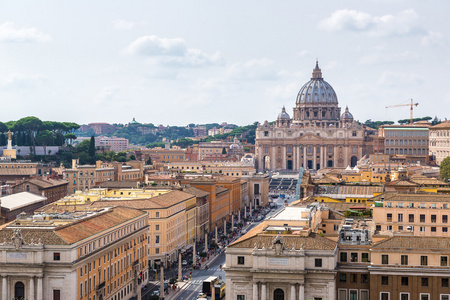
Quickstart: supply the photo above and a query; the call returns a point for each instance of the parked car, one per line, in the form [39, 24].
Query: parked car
[184, 263]
[201, 296]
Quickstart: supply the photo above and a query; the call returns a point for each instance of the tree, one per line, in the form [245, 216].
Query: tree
[224, 151]
[445, 169]
[149, 161]
[92, 148]
[70, 137]
[30, 125]
[132, 157]
[45, 138]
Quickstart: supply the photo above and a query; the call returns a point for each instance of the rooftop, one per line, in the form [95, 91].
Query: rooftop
[16, 201]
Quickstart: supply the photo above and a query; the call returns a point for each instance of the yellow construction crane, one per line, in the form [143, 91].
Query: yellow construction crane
[411, 109]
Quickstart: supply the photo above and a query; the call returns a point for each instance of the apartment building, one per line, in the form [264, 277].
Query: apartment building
[424, 214]
[160, 155]
[88, 254]
[52, 189]
[202, 213]
[440, 141]
[219, 200]
[167, 219]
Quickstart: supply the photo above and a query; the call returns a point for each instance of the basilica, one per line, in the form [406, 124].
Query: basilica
[317, 136]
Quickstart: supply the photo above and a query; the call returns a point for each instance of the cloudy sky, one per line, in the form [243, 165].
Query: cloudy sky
[179, 62]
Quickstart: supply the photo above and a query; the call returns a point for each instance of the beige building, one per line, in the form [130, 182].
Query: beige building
[419, 214]
[282, 259]
[317, 136]
[88, 254]
[439, 143]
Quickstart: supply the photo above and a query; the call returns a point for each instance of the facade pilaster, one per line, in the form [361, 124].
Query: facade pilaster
[314, 157]
[255, 290]
[4, 287]
[31, 297]
[301, 292]
[263, 291]
[293, 292]
[39, 289]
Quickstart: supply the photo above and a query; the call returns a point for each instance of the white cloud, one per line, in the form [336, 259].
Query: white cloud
[304, 53]
[9, 33]
[392, 79]
[385, 57]
[18, 80]
[123, 24]
[255, 69]
[108, 95]
[171, 52]
[403, 23]
[432, 38]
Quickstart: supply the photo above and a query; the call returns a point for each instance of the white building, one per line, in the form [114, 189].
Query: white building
[439, 141]
[277, 262]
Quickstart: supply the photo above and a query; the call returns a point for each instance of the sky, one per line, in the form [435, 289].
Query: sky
[186, 61]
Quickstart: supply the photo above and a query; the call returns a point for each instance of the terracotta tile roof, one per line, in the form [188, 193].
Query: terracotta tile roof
[195, 191]
[400, 183]
[142, 204]
[221, 189]
[203, 179]
[420, 179]
[417, 197]
[47, 183]
[87, 227]
[260, 240]
[414, 242]
[226, 178]
[18, 171]
[75, 231]
[171, 198]
[443, 125]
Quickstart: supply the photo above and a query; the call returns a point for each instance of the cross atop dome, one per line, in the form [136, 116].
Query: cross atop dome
[317, 73]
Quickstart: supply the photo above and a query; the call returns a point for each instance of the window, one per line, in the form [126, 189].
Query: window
[444, 219]
[385, 259]
[364, 278]
[384, 296]
[444, 261]
[240, 260]
[342, 295]
[157, 239]
[56, 256]
[404, 260]
[424, 297]
[411, 218]
[157, 227]
[384, 280]
[404, 281]
[240, 297]
[389, 217]
[422, 229]
[353, 295]
[342, 277]
[364, 295]
[400, 217]
[424, 281]
[353, 278]
[157, 214]
[444, 282]
[433, 229]
[424, 260]
[422, 218]
[445, 296]
[343, 256]
[433, 218]
[354, 257]
[404, 296]
[318, 262]
[365, 257]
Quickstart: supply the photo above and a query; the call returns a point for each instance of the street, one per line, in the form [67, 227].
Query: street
[194, 285]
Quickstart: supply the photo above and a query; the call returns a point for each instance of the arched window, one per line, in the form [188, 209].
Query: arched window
[278, 294]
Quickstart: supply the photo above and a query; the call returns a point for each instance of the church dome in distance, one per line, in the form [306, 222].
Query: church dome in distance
[283, 115]
[346, 115]
[317, 90]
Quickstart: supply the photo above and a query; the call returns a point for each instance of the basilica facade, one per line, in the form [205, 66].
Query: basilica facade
[317, 136]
